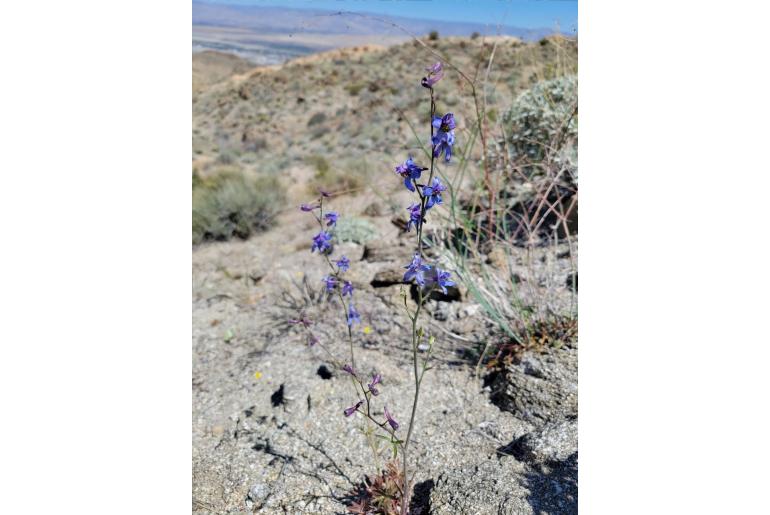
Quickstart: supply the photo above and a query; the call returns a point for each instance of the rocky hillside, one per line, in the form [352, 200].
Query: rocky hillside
[268, 431]
[355, 108]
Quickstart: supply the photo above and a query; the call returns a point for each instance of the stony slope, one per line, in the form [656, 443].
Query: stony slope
[277, 442]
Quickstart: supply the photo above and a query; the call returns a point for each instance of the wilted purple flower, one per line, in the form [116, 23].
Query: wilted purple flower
[347, 288]
[309, 207]
[343, 264]
[331, 218]
[416, 270]
[444, 137]
[324, 193]
[373, 385]
[321, 242]
[435, 74]
[415, 216]
[441, 279]
[312, 340]
[353, 316]
[347, 368]
[433, 192]
[349, 411]
[392, 421]
[409, 171]
[330, 281]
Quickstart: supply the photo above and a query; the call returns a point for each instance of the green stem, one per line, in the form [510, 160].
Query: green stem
[417, 376]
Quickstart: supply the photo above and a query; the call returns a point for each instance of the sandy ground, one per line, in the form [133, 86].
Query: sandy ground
[269, 435]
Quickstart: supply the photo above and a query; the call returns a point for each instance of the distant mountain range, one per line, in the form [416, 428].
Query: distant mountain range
[271, 35]
[282, 20]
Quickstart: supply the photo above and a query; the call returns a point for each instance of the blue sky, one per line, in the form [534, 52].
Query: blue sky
[516, 13]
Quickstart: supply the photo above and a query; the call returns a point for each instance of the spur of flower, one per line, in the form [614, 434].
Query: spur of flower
[444, 137]
[433, 192]
[347, 288]
[321, 242]
[416, 270]
[410, 172]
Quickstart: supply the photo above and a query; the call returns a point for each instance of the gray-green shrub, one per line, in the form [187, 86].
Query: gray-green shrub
[234, 206]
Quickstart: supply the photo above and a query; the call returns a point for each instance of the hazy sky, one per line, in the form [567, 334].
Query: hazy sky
[516, 13]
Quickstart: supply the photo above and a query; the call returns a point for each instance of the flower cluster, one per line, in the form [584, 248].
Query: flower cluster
[335, 283]
[428, 277]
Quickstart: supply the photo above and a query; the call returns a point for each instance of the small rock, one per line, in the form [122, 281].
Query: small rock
[388, 277]
[554, 442]
[257, 495]
[572, 281]
[540, 387]
[217, 431]
[469, 311]
[378, 250]
[498, 258]
[441, 311]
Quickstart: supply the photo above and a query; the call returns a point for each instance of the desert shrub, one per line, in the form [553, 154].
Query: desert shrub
[346, 175]
[354, 88]
[475, 35]
[316, 119]
[227, 157]
[433, 35]
[541, 115]
[357, 230]
[233, 206]
[319, 163]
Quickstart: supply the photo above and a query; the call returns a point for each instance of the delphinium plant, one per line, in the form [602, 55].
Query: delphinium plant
[427, 278]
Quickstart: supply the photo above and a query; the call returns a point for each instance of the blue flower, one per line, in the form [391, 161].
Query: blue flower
[349, 411]
[444, 137]
[441, 279]
[415, 216]
[309, 207]
[353, 316]
[435, 74]
[347, 368]
[392, 421]
[410, 172]
[343, 264]
[416, 270]
[433, 192]
[321, 242]
[331, 218]
[330, 281]
[347, 288]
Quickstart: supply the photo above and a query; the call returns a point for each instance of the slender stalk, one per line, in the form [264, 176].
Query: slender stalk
[417, 376]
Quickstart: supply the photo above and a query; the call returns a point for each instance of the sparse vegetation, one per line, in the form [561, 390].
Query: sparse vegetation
[232, 205]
